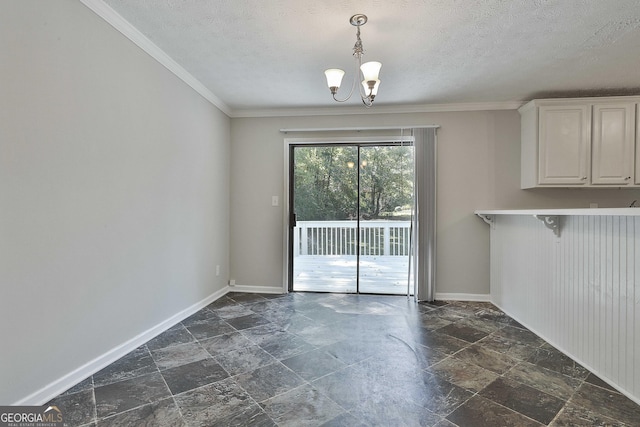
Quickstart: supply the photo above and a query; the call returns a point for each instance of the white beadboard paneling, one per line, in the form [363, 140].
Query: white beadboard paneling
[579, 291]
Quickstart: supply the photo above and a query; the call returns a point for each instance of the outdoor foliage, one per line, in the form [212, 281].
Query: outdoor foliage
[326, 181]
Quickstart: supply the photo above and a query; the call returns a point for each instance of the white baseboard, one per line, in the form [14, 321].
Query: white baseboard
[558, 347]
[64, 383]
[448, 296]
[257, 289]
[439, 296]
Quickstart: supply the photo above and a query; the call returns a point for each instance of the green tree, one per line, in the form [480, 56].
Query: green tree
[326, 178]
[386, 180]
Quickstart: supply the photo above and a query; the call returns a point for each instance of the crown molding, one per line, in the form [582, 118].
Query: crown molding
[382, 109]
[105, 12]
[129, 31]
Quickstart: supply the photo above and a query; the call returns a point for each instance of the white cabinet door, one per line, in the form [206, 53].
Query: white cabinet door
[613, 142]
[564, 138]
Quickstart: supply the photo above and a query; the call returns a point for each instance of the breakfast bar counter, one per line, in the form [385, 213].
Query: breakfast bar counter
[572, 276]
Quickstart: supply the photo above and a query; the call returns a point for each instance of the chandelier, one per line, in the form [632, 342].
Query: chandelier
[368, 71]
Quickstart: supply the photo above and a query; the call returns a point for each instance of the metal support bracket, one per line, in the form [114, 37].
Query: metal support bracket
[552, 222]
[487, 218]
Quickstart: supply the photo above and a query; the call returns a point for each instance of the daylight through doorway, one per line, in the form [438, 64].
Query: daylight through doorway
[350, 220]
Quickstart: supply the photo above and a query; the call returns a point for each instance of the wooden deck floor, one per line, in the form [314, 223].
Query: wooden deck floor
[337, 273]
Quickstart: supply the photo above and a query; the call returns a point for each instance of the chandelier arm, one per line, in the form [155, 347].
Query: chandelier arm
[358, 71]
[353, 86]
[367, 98]
[363, 93]
[358, 51]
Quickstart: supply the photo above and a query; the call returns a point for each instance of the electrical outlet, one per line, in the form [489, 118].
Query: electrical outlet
[232, 282]
[275, 201]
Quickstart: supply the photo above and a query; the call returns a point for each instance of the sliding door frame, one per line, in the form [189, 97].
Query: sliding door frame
[289, 145]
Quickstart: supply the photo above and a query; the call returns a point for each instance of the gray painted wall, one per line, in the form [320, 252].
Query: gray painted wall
[115, 181]
[478, 168]
[114, 193]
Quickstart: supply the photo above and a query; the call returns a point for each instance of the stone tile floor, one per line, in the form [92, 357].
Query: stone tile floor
[306, 359]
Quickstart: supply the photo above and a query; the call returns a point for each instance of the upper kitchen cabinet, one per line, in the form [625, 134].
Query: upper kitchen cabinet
[613, 142]
[581, 142]
[564, 144]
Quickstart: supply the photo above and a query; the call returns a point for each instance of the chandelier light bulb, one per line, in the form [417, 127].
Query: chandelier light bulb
[334, 78]
[370, 70]
[369, 90]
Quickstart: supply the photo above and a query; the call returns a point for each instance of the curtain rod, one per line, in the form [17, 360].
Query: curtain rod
[285, 130]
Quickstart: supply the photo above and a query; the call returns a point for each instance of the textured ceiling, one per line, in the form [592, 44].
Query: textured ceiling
[263, 54]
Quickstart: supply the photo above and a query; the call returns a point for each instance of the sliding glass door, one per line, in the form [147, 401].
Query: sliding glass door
[350, 219]
[386, 201]
[325, 208]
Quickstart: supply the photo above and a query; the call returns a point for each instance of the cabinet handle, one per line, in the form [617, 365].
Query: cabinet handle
[627, 178]
[584, 178]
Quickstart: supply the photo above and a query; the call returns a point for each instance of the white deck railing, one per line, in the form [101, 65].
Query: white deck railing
[378, 237]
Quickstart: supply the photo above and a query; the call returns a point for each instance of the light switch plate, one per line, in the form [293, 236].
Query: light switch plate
[275, 201]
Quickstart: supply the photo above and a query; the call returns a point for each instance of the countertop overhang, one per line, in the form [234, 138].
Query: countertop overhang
[557, 212]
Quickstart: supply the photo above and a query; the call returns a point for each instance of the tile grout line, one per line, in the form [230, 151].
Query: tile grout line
[252, 398]
[466, 317]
